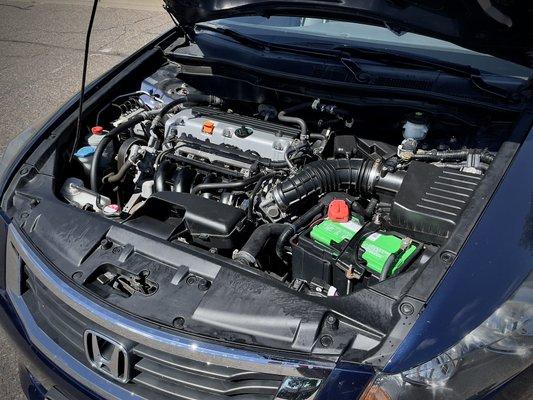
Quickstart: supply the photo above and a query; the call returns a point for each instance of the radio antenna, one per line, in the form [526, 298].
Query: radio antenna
[83, 79]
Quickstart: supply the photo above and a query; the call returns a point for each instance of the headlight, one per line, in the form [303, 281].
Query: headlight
[491, 354]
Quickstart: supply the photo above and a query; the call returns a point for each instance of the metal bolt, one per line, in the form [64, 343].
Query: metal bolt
[447, 256]
[117, 250]
[77, 275]
[204, 285]
[178, 322]
[24, 171]
[24, 215]
[407, 308]
[326, 341]
[106, 244]
[332, 322]
[191, 280]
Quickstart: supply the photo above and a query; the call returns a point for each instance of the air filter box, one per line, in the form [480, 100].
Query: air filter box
[430, 201]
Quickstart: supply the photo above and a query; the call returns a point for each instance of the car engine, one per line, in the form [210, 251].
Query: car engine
[301, 190]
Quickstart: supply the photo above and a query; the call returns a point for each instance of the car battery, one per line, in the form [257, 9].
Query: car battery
[337, 252]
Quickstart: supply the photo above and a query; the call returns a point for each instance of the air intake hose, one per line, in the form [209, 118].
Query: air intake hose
[324, 176]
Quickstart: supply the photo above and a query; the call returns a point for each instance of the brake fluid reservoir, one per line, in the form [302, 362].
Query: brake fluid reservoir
[96, 137]
[98, 133]
[416, 127]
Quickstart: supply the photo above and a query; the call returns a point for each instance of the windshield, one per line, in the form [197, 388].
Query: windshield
[315, 32]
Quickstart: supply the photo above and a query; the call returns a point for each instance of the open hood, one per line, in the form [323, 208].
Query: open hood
[498, 27]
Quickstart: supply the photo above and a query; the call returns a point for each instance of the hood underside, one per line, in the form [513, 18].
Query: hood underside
[498, 27]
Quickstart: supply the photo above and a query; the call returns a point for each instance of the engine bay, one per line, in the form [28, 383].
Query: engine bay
[314, 194]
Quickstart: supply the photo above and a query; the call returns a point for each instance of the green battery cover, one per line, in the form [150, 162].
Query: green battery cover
[377, 247]
[330, 232]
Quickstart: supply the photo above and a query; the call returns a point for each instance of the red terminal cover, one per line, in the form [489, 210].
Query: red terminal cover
[338, 211]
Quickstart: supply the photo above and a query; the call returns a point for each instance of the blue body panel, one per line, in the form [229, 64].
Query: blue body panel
[495, 260]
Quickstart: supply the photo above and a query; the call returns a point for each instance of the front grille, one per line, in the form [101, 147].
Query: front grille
[155, 374]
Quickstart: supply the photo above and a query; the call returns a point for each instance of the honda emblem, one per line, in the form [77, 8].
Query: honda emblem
[107, 356]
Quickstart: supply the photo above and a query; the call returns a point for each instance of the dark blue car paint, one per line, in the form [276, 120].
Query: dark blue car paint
[346, 381]
[496, 259]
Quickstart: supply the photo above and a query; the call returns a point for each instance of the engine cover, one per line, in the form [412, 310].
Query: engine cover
[262, 138]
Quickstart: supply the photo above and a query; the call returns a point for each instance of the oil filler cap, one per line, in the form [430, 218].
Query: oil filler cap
[338, 211]
[208, 127]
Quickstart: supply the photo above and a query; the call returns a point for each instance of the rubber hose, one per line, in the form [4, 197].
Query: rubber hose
[452, 155]
[114, 178]
[358, 208]
[332, 110]
[371, 206]
[283, 117]
[272, 164]
[95, 183]
[256, 242]
[324, 176]
[442, 155]
[292, 229]
[365, 212]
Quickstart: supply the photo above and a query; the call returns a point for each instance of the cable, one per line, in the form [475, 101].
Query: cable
[83, 79]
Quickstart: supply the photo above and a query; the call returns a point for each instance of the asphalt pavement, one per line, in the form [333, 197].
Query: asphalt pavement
[41, 53]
